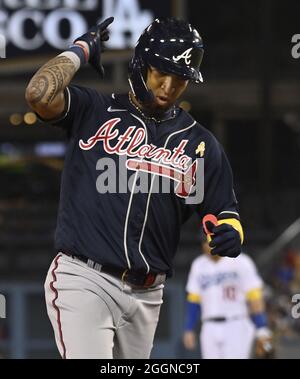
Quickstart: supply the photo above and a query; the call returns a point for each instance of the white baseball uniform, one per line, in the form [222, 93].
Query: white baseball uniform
[227, 331]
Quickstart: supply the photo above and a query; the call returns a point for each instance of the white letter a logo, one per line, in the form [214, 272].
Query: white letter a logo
[186, 56]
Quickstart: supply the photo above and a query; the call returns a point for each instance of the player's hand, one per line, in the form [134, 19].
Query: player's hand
[225, 240]
[94, 38]
[189, 340]
[264, 348]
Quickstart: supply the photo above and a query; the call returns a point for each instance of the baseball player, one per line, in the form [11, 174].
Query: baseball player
[223, 293]
[115, 249]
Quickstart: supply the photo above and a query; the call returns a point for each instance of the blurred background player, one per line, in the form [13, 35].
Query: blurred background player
[227, 295]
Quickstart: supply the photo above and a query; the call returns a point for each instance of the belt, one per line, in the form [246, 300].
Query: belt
[216, 319]
[222, 319]
[133, 278]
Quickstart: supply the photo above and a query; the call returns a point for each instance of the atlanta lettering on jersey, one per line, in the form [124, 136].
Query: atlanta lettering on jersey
[172, 164]
[135, 148]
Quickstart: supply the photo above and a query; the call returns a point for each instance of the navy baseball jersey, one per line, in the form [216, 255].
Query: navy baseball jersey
[124, 226]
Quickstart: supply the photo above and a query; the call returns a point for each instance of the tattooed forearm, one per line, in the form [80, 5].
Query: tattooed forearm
[39, 86]
[51, 79]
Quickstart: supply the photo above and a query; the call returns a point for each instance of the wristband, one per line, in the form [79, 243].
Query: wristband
[193, 311]
[85, 48]
[80, 51]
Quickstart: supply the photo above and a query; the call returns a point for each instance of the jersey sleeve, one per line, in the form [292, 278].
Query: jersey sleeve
[193, 285]
[78, 102]
[78, 99]
[251, 280]
[219, 197]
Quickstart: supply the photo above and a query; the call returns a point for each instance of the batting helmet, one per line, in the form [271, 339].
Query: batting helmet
[170, 45]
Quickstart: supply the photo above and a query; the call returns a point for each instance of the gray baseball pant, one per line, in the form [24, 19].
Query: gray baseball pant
[97, 316]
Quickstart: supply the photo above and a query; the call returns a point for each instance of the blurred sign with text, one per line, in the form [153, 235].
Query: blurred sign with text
[37, 26]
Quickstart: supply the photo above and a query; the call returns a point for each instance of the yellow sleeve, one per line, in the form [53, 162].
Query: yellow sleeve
[254, 294]
[193, 298]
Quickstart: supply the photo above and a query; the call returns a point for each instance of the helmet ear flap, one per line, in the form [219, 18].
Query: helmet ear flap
[137, 79]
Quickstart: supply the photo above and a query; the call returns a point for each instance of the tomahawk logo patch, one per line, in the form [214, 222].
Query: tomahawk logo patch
[185, 55]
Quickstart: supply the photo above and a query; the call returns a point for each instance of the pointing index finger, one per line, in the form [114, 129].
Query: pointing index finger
[105, 23]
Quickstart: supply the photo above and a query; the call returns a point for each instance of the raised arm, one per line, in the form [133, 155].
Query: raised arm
[45, 91]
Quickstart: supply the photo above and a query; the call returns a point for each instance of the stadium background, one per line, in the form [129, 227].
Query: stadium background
[250, 100]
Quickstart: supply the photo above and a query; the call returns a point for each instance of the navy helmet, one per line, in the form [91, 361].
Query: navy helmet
[170, 45]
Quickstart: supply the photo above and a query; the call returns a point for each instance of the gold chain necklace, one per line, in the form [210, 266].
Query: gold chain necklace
[151, 118]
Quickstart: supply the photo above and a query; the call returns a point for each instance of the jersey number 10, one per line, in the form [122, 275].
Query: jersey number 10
[229, 293]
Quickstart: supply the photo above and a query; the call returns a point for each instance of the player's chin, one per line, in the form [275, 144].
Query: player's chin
[162, 103]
